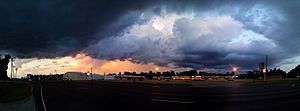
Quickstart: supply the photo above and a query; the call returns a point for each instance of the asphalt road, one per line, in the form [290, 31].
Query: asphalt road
[115, 96]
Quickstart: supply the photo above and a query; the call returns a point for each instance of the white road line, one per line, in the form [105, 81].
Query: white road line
[173, 101]
[44, 105]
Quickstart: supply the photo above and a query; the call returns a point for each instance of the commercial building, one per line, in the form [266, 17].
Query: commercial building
[109, 77]
[76, 76]
[129, 77]
[96, 77]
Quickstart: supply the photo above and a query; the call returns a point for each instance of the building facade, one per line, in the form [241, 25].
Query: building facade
[76, 76]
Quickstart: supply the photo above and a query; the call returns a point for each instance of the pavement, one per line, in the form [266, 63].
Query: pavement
[23, 105]
[117, 96]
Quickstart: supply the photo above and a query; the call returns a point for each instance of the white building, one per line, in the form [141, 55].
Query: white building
[76, 76]
[129, 77]
[109, 77]
[96, 77]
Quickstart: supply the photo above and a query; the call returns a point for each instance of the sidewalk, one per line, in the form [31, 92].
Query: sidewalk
[23, 105]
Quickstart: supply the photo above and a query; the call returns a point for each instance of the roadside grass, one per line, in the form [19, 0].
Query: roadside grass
[165, 84]
[151, 84]
[13, 91]
[272, 82]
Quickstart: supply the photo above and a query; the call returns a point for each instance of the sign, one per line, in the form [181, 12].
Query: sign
[261, 66]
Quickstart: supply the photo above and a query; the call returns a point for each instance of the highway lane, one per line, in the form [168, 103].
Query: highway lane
[115, 96]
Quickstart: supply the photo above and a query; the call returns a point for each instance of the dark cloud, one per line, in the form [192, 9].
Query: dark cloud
[202, 34]
[220, 34]
[57, 28]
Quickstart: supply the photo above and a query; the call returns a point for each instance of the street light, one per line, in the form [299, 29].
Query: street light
[234, 69]
[157, 69]
[264, 70]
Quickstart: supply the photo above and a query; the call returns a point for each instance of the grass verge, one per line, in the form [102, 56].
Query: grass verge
[272, 82]
[151, 84]
[165, 84]
[13, 91]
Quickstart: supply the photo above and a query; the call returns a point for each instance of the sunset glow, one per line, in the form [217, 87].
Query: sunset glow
[155, 37]
[82, 63]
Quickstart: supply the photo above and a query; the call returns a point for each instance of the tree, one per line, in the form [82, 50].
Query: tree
[134, 73]
[3, 67]
[158, 73]
[294, 72]
[149, 75]
[172, 73]
[276, 72]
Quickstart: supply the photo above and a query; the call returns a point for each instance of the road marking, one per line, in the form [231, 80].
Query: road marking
[173, 101]
[44, 105]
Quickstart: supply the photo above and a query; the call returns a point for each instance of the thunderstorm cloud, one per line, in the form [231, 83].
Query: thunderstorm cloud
[195, 34]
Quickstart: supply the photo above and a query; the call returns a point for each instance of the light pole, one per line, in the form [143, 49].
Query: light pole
[266, 69]
[92, 73]
[12, 67]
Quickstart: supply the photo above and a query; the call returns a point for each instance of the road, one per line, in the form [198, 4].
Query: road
[116, 96]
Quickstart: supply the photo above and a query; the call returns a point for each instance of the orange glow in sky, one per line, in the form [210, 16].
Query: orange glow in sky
[157, 69]
[81, 63]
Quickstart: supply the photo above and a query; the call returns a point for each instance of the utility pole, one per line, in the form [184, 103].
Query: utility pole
[11, 67]
[16, 74]
[92, 73]
[266, 68]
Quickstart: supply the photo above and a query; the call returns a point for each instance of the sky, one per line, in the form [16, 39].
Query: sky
[57, 36]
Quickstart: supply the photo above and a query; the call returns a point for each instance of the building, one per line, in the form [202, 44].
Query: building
[76, 76]
[187, 78]
[130, 77]
[96, 77]
[109, 77]
[31, 77]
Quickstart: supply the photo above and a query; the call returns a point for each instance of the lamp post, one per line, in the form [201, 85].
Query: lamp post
[91, 73]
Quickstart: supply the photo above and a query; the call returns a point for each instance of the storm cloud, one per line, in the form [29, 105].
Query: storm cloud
[196, 34]
[56, 28]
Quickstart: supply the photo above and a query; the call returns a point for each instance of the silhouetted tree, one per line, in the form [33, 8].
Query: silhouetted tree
[276, 72]
[127, 73]
[3, 67]
[294, 72]
[172, 73]
[203, 73]
[189, 73]
[149, 75]
[134, 73]
[158, 74]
